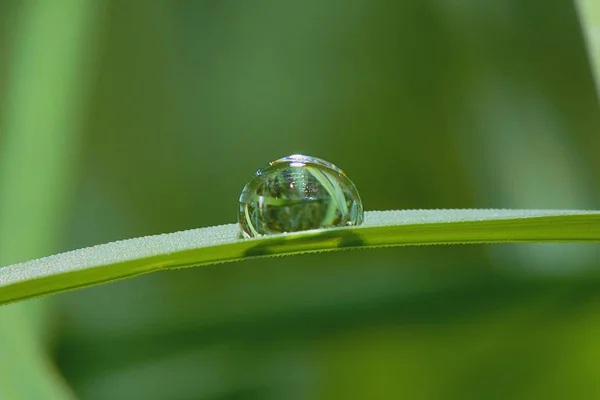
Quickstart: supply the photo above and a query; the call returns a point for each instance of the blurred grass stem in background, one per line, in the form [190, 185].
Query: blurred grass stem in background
[40, 123]
[589, 14]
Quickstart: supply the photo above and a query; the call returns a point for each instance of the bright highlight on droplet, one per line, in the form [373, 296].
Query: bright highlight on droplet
[298, 193]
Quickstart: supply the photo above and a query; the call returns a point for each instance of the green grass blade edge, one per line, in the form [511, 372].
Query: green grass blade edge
[220, 244]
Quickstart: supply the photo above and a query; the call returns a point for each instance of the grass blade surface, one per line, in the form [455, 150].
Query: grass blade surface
[220, 244]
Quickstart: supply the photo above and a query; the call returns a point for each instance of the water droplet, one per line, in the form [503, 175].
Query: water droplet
[298, 193]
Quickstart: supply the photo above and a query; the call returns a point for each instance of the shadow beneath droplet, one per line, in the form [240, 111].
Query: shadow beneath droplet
[346, 239]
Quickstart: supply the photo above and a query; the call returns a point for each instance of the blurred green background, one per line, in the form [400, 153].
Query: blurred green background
[128, 118]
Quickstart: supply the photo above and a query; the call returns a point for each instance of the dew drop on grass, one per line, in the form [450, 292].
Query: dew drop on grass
[298, 193]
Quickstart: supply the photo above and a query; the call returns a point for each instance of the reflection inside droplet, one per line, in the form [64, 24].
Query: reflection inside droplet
[298, 193]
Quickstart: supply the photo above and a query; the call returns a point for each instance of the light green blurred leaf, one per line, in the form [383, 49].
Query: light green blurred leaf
[589, 13]
[40, 126]
[26, 371]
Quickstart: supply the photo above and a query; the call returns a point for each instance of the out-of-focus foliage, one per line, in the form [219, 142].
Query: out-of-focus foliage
[438, 104]
[589, 14]
[41, 105]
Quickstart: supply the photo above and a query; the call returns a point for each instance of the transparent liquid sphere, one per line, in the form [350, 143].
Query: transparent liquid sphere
[298, 193]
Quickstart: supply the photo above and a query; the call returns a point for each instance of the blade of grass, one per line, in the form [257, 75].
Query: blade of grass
[220, 244]
[40, 124]
[589, 14]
